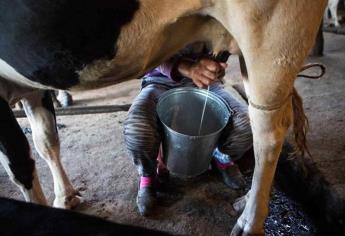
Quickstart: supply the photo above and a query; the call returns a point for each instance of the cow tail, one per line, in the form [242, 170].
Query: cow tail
[300, 124]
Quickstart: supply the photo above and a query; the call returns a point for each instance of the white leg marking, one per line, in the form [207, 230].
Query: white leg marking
[35, 194]
[333, 8]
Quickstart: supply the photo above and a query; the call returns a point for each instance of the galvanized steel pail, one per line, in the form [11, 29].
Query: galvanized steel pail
[185, 152]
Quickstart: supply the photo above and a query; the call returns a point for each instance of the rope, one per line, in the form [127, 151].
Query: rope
[311, 65]
[269, 107]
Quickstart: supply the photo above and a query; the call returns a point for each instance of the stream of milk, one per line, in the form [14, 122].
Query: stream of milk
[203, 110]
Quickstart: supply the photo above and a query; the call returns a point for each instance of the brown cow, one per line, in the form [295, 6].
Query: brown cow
[86, 44]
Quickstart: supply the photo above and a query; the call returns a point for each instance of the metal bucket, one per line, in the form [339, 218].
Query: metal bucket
[185, 152]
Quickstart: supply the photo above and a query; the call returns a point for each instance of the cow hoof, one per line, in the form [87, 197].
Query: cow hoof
[240, 203]
[68, 202]
[238, 231]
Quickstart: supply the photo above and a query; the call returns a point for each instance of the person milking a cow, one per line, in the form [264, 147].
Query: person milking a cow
[193, 66]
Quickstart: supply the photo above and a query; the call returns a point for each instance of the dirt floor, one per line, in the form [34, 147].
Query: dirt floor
[93, 153]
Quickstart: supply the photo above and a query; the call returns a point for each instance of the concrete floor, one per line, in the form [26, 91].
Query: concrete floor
[93, 153]
[324, 102]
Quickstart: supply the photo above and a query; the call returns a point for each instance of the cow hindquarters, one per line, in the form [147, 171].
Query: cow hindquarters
[15, 156]
[40, 112]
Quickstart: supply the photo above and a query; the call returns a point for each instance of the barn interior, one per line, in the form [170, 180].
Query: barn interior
[95, 158]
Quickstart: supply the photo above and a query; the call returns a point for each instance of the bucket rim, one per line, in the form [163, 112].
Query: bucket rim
[200, 91]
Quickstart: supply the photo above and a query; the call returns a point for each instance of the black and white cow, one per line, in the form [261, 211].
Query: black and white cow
[86, 44]
[21, 219]
[43, 44]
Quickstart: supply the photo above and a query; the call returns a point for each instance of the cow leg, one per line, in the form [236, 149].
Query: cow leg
[64, 98]
[15, 156]
[274, 52]
[56, 102]
[269, 130]
[61, 98]
[333, 7]
[268, 87]
[326, 15]
[40, 112]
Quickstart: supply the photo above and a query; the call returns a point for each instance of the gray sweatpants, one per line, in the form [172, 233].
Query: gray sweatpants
[143, 131]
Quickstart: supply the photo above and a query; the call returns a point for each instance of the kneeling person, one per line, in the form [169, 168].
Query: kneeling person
[143, 132]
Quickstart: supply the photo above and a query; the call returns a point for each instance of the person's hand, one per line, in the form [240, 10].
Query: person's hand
[203, 72]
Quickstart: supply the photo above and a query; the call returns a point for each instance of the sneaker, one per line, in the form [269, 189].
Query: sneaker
[146, 200]
[146, 197]
[231, 176]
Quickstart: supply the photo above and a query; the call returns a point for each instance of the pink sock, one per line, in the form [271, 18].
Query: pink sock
[145, 181]
[224, 166]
